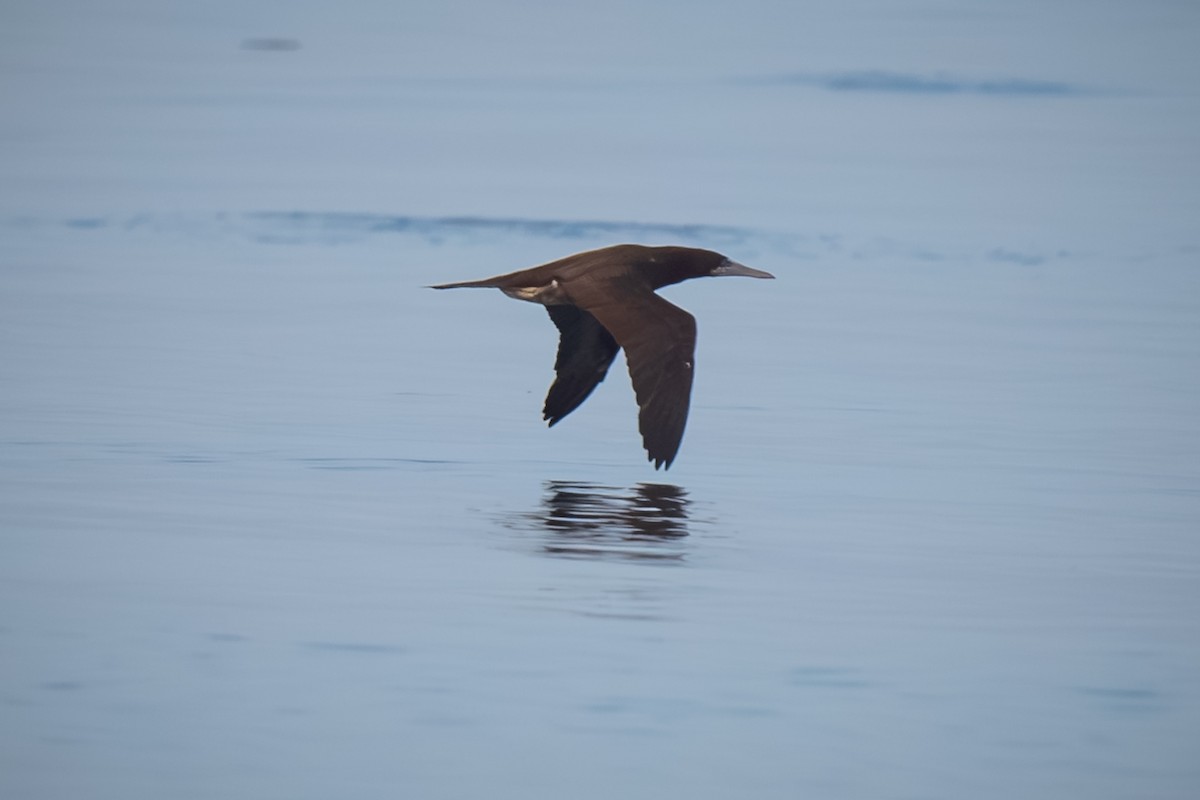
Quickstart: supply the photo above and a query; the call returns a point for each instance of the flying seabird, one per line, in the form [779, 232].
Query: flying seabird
[603, 300]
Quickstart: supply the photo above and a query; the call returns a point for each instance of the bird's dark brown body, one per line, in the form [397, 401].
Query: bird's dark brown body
[604, 300]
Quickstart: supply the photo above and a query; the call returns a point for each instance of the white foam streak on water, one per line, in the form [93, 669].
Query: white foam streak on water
[278, 521]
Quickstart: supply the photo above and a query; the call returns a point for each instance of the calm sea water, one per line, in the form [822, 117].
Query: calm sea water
[275, 520]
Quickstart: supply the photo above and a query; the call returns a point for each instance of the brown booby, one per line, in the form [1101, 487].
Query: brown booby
[603, 300]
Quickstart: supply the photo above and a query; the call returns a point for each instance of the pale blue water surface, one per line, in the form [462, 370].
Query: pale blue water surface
[276, 521]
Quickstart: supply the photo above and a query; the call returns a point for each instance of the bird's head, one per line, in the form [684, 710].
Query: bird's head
[675, 264]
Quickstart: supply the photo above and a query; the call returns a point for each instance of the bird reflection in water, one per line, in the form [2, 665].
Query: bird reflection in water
[585, 520]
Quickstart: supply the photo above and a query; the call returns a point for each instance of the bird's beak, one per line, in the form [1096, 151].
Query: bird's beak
[728, 267]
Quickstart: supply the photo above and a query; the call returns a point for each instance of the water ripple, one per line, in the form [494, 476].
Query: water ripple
[929, 84]
[336, 228]
[583, 520]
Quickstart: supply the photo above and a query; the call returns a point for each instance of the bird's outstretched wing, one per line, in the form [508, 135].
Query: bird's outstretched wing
[660, 346]
[585, 351]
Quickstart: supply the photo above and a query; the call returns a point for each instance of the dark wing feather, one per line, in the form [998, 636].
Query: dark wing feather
[585, 351]
[660, 346]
